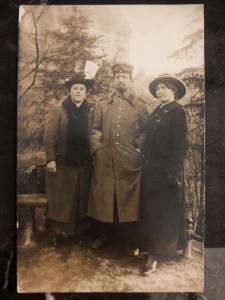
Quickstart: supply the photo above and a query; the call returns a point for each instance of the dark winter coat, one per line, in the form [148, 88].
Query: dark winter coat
[116, 141]
[70, 183]
[162, 201]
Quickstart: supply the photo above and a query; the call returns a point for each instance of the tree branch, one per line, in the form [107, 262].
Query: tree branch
[35, 21]
[36, 67]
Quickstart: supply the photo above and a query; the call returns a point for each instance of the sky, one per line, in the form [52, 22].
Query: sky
[159, 30]
[155, 32]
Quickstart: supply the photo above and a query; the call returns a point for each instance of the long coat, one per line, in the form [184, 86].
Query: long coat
[116, 141]
[162, 204]
[70, 184]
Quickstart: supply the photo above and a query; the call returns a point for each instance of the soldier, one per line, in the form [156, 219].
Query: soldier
[116, 141]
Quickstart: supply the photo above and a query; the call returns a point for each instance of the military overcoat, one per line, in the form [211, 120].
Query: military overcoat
[116, 141]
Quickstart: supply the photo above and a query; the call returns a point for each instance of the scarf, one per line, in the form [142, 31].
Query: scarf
[77, 140]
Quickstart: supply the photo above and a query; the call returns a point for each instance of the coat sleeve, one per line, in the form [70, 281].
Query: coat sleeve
[179, 142]
[95, 136]
[144, 118]
[51, 133]
[143, 122]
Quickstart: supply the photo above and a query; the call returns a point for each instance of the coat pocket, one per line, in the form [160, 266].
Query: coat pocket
[131, 151]
[129, 160]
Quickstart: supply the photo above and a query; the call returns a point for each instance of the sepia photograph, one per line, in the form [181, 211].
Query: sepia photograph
[110, 148]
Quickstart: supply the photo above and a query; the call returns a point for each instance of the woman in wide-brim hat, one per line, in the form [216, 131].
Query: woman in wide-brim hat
[68, 160]
[162, 202]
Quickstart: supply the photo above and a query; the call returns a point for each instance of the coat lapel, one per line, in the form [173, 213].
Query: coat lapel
[159, 115]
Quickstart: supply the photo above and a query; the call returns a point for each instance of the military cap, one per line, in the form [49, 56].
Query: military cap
[122, 68]
[79, 78]
[167, 78]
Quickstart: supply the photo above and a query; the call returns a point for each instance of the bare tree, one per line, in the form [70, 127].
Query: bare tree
[194, 166]
[191, 40]
[38, 57]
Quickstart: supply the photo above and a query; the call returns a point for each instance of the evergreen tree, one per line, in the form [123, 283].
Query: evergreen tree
[66, 53]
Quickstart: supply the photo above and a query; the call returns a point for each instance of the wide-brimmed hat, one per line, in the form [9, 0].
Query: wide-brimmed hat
[79, 78]
[122, 68]
[167, 78]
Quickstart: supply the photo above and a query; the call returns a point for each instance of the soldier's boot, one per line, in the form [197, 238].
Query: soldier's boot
[101, 241]
[132, 251]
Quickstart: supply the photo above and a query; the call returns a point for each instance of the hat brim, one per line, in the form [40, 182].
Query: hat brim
[181, 89]
[87, 82]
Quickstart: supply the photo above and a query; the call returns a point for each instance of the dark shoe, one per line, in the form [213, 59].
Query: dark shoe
[77, 239]
[57, 240]
[132, 251]
[150, 266]
[100, 242]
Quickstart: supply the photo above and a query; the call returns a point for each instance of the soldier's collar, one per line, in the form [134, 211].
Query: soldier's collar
[129, 96]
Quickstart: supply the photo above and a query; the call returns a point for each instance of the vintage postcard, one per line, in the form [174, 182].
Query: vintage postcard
[110, 148]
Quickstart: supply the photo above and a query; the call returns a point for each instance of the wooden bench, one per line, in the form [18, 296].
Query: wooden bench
[30, 201]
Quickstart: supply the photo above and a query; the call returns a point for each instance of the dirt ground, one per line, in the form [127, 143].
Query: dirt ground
[76, 268]
[215, 273]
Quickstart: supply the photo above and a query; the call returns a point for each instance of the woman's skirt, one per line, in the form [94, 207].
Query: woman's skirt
[68, 193]
[162, 215]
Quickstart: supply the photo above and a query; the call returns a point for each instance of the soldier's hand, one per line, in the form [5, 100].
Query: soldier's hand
[51, 166]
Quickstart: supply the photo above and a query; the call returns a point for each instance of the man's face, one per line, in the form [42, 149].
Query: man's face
[78, 93]
[122, 82]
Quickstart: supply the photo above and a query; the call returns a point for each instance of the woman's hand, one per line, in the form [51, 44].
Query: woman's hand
[51, 166]
[173, 181]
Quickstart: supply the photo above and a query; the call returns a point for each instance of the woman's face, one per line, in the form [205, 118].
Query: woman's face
[78, 93]
[163, 93]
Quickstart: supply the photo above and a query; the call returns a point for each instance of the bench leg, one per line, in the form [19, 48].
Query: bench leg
[28, 232]
[188, 250]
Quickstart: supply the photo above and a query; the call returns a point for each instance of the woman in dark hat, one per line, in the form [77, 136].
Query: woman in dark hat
[68, 160]
[162, 202]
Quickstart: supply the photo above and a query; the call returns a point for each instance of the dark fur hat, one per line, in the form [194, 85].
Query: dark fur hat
[79, 78]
